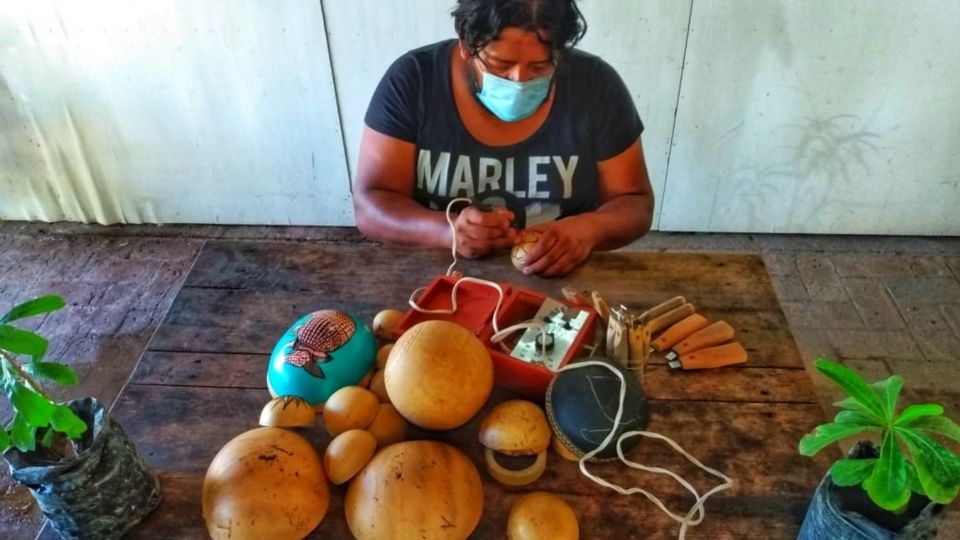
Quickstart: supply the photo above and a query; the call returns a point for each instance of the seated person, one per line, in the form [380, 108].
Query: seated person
[512, 116]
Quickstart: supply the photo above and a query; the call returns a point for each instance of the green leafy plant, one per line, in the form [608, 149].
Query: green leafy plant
[36, 416]
[929, 469]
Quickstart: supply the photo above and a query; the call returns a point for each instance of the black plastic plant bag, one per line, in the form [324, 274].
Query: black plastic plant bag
[101, 493]
[826, 519]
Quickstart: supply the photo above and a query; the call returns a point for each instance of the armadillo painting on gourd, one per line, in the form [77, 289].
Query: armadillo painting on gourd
[320, 353]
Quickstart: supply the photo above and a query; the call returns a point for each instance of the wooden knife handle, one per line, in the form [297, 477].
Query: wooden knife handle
[662, 308]
[714, 334]
[669, 318]
[714, 357]
[679, 331]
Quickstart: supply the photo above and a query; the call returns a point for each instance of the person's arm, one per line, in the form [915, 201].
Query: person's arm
[385, 210]
[624, 214]
[626, 200]
[382, 195]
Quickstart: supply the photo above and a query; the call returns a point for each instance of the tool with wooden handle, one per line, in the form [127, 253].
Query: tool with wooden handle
[639, 345]
[714, 334]
[669, 318]
[662, 308]
[676, 333]
[713, 357]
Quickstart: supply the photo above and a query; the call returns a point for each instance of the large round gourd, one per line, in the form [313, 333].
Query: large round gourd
[438, 375]
[425, 490]
[265, 483]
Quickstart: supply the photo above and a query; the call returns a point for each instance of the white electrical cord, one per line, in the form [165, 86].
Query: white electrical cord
[500, 335]
[697, 507]
[453, 233]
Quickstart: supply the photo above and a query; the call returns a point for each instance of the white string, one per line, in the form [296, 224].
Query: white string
[697, 508]
[453, 232]
[453, 298]
[499, 335]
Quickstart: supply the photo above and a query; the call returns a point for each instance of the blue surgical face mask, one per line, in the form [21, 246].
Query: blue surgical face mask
[511, 101]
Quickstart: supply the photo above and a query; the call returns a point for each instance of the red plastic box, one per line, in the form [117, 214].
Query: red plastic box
[475, 306]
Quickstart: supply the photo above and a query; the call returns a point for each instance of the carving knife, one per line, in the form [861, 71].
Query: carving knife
[679, 331]
[712, 357]
[669, 318]
[662, 308]
[714, 334]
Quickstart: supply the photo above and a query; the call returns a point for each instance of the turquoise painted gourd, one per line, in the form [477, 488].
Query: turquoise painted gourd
[320, 353]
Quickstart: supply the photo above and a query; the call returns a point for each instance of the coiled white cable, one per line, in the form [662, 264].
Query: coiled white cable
[697, 507]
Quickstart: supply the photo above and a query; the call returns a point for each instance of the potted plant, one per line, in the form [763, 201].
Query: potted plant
[83, 471]
[895, 491]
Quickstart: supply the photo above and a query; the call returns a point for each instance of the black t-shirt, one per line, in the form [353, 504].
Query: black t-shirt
[551, 174]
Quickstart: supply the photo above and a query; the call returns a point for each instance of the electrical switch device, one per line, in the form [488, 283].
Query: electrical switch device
[533, 355]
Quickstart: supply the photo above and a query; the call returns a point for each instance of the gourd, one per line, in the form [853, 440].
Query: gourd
[347, 453]
[265, 483]
[542, 516]
[351, 407]
[426, 490]
[438, 375]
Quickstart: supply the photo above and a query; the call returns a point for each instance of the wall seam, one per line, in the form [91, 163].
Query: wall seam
[336, 97]
[676, 113]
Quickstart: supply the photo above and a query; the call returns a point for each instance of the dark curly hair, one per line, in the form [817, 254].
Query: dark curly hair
[559, 23]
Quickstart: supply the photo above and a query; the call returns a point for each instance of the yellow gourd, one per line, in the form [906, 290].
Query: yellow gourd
[265, 483]
[425, 490]
[438, 375]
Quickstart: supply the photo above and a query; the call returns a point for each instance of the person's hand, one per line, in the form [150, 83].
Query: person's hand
[479, 232]
[563, 245]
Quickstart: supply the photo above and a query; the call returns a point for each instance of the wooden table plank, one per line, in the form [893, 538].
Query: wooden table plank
[388, 274]
[241, 297]
[202, 369]
[737, 383]
[179, 430]
[609, 517]
[727, 518]
[244, 321]
[241, 321]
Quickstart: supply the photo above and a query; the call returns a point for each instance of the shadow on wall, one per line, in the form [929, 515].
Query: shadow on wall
[758, 35]
[826, 153]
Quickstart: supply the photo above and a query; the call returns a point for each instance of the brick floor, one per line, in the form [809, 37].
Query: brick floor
[873, 344]
[820, 277]
[954, 263]
[880, 305]
[932, 331]
[836, 315]
[873, 302]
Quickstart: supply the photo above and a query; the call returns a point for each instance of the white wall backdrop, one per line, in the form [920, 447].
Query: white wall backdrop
[645, 42]
[762, 116]
[818, 117]
[220, 111]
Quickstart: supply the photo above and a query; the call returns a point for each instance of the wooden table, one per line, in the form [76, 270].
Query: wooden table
[202, 381]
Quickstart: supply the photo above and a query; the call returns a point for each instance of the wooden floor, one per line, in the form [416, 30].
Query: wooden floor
[120, 284]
